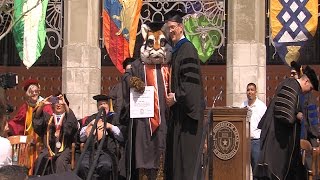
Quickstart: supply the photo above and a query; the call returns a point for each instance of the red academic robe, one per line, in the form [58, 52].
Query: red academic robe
[17, 123]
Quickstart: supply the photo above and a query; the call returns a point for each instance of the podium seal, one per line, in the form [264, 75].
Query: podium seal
[226, 140]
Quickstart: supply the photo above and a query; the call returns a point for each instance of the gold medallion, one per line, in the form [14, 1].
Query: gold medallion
[58, 145]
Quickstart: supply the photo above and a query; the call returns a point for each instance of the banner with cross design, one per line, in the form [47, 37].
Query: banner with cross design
[293, 24]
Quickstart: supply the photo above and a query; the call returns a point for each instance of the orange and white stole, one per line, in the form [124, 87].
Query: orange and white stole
[28, 131]
[151, 80]
[58, 121]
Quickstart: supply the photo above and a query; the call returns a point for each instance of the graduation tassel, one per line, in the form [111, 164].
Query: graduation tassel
[111, 106]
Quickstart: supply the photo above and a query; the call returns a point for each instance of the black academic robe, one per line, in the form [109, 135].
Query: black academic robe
[116, 94]
[146, 149]
[310, 125]
[117, 98]
[280, 156]
[108, 157]
[46, 131]
[186, 124]
[112, 142]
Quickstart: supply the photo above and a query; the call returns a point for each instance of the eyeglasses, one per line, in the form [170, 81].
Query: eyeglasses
[173, 27]
[34, 92]
[293, 73]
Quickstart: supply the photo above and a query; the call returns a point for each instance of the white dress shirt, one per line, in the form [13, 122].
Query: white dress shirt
[5, 152]
[258, 108]
[114, 129]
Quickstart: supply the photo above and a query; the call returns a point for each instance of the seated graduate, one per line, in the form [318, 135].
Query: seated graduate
[106, 166]
[57, 131]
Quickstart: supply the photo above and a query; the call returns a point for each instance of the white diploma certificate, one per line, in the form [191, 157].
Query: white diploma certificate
[142, 105]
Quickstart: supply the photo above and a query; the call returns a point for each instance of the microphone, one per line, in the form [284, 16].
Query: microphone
[217, 97]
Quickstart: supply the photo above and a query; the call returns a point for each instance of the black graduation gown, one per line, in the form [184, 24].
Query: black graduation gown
[112, 142]
[310, 124]
[185, 130]
[310, 127]
[67, 137]
[280, 156]
[146, 149]
[116, 94]
[108, 158]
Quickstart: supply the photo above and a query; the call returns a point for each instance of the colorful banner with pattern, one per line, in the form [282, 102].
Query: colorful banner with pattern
[293, 24]
[120, 24]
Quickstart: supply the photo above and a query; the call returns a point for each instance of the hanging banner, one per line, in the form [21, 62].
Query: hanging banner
[293, 24]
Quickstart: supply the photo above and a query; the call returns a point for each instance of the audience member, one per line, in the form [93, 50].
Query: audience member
[57, 131]
[256, 109]
[13, 172]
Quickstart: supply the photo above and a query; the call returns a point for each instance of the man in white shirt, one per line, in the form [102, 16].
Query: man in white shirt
[257, 109]
[6, 151]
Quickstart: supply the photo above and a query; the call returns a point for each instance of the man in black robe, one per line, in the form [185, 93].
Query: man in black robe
[107, 160]
[186, 100]
[280, 156]
[116, 91]
[146, 146]
[308, 107]
[57, 132]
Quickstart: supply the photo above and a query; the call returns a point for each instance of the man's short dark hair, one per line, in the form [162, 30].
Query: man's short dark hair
[252, 84]
[13, 172]
[127, 62]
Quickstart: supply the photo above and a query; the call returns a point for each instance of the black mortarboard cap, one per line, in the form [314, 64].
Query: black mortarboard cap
[126, 62]
[155, 26]
[296, 66]
[101, 97]
[174, 15]
[310, 73]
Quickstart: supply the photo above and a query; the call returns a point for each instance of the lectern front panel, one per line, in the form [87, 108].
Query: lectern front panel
[230, 145]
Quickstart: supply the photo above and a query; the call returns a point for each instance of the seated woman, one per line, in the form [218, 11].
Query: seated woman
[57, 131]
[6, 150]
[21, 123]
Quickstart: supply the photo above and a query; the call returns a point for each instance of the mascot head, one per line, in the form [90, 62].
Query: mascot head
[155, 49]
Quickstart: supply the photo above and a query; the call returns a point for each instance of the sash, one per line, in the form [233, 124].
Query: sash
[151, 79]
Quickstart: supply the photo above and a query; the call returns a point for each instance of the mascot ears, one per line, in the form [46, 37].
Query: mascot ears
[144, 30]
[151, 27]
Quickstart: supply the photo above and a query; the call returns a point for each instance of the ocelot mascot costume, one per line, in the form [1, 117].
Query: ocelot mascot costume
[147, 136]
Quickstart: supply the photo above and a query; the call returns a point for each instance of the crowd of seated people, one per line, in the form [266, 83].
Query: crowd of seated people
[54, 129]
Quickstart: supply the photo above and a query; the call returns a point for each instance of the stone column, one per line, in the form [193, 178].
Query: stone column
[246, 51]
[81, 66]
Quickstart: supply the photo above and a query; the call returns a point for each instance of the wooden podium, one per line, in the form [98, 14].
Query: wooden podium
[229, 145]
